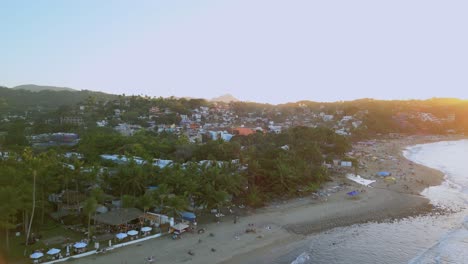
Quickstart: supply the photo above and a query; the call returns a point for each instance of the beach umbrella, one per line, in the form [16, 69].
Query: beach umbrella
[53, 251]
[80, 245]
[68, 250]
[110, 243]
[36, 255]
[146, 229]
[121, 235]
[132, 232]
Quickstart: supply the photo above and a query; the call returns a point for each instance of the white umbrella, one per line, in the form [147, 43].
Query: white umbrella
[53, 251]
[121, 235]
[132, 232]
[110, 243]
[80, 245]
[36, 255]
[146, 229]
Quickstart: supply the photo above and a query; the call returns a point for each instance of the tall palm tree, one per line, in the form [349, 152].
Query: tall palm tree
[146, 202]
[89, 209]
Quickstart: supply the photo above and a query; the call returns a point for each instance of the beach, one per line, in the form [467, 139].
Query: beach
[282, 225]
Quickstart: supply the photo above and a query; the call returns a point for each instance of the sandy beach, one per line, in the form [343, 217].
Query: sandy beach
[281, 224]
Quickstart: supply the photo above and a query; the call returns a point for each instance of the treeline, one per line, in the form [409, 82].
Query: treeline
[19, 101]
[249, 170]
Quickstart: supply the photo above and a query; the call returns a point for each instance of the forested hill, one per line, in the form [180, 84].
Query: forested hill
[21, 100]
[38, 88]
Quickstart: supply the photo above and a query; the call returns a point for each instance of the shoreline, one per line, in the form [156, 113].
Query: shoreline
[281, 225]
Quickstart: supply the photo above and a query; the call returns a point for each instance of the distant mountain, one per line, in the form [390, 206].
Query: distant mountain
[20, 99]
[38, 88]
[226, 98]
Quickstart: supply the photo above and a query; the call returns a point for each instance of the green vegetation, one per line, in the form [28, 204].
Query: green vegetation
[204, 174]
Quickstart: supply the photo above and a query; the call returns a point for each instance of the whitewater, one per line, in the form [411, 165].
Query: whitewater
[438, 238]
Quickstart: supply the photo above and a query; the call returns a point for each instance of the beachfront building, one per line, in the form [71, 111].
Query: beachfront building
[119, 220]
[67, 202]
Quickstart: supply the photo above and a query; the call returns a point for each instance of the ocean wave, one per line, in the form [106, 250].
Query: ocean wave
[302, 258]
[450, 249]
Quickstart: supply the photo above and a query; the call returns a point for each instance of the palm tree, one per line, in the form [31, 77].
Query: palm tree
[176, 204]
[161, 194]
[146, 202]
[9, 207]
[89, 209]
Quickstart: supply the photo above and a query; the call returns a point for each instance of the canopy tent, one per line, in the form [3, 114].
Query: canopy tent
[36, 255]
[180, 227]
[146, 229]
[383, 173]
[359, 179]
[132, 232]
[53, 251]
[189, 216]
[79, 245]
[121, 235]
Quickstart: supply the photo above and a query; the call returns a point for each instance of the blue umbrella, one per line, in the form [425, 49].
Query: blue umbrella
[53, 251]
[79, 245]
[36, 255]
[121, 235]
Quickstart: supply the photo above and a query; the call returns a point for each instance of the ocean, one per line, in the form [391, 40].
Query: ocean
[417, 240]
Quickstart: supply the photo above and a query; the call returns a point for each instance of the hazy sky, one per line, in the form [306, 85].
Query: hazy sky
[257, 50]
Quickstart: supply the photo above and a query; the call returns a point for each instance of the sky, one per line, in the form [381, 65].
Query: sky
[257, 50]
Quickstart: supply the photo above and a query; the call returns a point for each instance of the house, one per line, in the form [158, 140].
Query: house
[346, 164]
[356, 124]
[275, 129]
[154, 110]
[54, 139]
[243, 131]
[346, 119]
[119, 159]
[73, 120]
[127, 129]
[224, 135]
[341, 132]
[67, 201]
[101, 123]
[158, 219]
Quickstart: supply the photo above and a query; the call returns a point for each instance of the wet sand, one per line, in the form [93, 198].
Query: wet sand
[283, 224]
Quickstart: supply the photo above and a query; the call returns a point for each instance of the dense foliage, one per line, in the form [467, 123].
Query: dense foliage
[204, 174]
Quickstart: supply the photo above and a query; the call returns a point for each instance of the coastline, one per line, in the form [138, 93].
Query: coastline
[282, 225]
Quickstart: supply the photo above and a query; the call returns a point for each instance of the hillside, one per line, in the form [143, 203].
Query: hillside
[226, 98]
[38, 88]
[19, 100]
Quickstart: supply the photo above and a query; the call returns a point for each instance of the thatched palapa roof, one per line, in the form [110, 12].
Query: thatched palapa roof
[119, 217]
